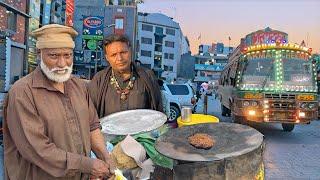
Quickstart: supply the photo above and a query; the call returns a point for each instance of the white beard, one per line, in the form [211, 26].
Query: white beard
[59, 75]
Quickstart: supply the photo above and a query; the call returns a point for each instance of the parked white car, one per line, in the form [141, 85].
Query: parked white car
[177, 96]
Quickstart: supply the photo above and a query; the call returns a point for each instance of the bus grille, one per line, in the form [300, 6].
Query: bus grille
[282, 105]
[280, 96]
[281, 101]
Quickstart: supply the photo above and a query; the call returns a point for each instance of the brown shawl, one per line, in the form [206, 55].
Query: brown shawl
[99, 85]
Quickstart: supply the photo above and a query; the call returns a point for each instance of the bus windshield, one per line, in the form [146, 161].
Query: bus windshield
[297, 72]
[258, 73]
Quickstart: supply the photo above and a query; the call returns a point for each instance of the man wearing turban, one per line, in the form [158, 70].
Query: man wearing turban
[50, 123]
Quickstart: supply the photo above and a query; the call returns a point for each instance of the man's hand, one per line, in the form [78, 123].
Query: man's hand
[100, 169]
[98, 146]
[109, 161]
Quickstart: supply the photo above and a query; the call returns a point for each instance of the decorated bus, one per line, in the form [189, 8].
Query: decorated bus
[270, 81]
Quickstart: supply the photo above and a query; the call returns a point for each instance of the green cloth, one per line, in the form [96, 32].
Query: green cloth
[148, 142]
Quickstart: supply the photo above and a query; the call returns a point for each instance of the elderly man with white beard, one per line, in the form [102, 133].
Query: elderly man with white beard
[50, 123]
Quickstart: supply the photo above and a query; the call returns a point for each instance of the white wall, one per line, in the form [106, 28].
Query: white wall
[185, 48]
[147, 47]
[161, 20]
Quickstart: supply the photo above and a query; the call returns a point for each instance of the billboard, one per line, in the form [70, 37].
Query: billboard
[206, 67]
[34, 12]
[47, 9]
[92, 44]
[266, 36]
[35, 15]
[92, 33]
[93, 25]
[35, 9]
[69, 12]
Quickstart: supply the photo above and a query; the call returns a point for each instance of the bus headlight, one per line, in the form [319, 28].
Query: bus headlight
[254, 103]
[246, 103]
[252, 112]
[303, 105]
[302, 114]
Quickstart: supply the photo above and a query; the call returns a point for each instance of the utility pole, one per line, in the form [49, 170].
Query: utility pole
[205, 104]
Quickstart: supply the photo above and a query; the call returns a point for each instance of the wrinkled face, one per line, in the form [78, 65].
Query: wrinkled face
[57, 63]
[118, 54]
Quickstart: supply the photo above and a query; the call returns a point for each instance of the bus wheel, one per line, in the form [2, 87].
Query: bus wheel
[224, 110]
[287, 127]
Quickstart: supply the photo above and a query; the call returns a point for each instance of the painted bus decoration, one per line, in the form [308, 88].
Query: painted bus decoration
[272, 82]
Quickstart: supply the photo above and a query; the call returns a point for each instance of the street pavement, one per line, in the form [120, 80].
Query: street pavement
[288, 155]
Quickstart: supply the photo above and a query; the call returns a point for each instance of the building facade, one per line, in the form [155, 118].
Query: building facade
[159, 42]
[210, 62]
[208, 67]
[88, 22]
[95, 20]
[18, 19]
[122, 19]
[185, 45]
[53, 11]
[185, 69]
[34, 23]
[186, 66]
[215, 49]
[14, 20]
[205, 49]
[44, 12]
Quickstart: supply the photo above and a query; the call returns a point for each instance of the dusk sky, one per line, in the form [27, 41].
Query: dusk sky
[216, 20]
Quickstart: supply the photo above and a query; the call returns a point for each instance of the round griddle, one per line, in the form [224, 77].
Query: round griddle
[230, 140]
[132, 122]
